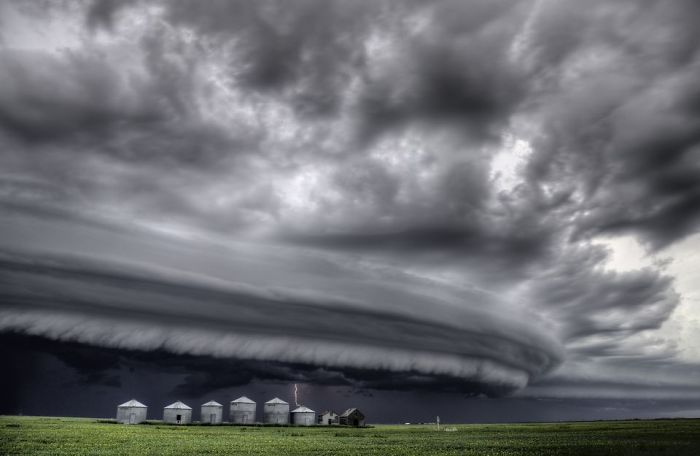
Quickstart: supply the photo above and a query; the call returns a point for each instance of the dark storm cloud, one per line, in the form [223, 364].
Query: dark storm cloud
[147, 109]
[365, 129]
[318, 311]
[45, 98]
[592, 301]
[88, 105]
[309, 44]
[459, 73]
[616, 374]
[152, 117]
[101, 13]
[202, 375]
[630, 137]
[507, 254]
[312, 52]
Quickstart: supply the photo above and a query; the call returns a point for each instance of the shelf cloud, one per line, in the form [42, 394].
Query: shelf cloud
[271, 304]
[417, 190]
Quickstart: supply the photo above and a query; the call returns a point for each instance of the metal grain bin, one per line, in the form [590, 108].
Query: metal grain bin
[177, 413]
[212, 413]
[303, 416]
[132, 412]
[243, 411]
[276, 411]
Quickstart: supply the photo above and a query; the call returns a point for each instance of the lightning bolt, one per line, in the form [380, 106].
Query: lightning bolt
[296, 395]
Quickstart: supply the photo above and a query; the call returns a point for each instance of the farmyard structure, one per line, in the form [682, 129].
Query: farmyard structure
[242, 411]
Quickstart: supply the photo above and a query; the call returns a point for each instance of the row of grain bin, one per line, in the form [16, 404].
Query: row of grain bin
[243, 411]
[134, 412]
[275, 411]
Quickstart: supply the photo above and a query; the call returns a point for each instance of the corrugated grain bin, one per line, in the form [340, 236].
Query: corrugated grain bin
[243, 411]
[132, 412]
[177, 413]
[276, 411]
[303, 416]
[212, 412]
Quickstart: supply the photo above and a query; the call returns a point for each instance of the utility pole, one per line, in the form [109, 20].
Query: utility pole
[438, 423]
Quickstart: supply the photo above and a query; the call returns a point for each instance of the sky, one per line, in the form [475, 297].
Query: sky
[486, 210]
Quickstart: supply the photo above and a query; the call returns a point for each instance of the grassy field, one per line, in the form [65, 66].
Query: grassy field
[75, 436]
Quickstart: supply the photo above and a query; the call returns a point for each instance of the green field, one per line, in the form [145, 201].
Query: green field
[76, 436]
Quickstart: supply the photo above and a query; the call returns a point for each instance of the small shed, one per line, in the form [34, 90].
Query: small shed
[243, 411]
[328, 418]
[303, 416]
[352, 417]
[212, 413]
[177, 413]
[131, 412]
[276, 411]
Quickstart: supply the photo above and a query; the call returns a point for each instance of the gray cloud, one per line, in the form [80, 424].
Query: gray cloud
[595, 302]
[360, 325]
[626, 139]
[369, 132]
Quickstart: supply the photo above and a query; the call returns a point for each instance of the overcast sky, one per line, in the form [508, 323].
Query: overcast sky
[484, 209]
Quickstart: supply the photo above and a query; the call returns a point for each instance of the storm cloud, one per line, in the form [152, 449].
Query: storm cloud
[434, 188]
[258, 303]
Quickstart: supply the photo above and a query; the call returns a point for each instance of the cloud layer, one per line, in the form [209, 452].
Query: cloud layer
[263, 304]
[394, 185]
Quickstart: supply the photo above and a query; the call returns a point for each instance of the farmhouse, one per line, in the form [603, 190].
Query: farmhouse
[177, 413]
[352, 417]
[131, 412]
[328, 418]
[303, 416]
[276, 411]
[212, 413]
[242, 411]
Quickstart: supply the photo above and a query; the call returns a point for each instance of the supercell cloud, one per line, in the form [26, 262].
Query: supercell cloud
[437, 189]
[259, 303]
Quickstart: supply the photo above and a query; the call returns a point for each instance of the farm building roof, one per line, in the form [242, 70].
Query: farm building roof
[276, 400]
[132, 403]
[212, 404]
[302, 409]
[350, 411]
[244, 400]
[178, 405]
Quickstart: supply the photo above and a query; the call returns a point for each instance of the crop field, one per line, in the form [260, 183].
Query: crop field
[76, 436]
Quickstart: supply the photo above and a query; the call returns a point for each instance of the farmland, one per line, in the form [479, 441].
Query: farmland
[77, 436]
